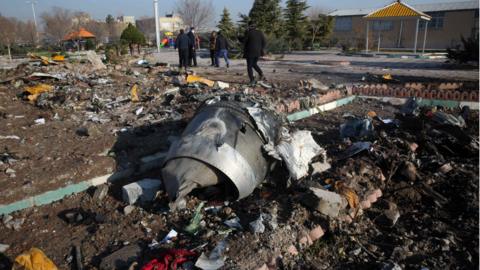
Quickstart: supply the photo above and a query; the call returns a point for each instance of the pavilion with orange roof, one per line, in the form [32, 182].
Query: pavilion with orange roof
[398, 11]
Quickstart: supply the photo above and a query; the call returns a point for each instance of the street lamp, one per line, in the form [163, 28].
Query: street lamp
[157, 30]
[33, 3]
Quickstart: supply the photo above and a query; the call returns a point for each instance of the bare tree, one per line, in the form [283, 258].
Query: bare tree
[320, 25]
[146, 25]
[57, 23]
[197, 13]
[26, 32]
[8, 33]
[99, 29]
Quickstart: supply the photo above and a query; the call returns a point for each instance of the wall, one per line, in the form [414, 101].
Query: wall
[455, 24]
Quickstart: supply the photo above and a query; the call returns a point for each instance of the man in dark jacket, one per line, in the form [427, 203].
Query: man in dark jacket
[221, 47]
[194, 44]
[254, 47]
[183, 45]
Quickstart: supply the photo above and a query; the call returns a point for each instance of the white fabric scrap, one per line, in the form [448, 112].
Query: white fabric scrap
[297, 151]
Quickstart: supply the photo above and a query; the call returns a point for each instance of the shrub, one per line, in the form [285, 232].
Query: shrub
[467, 52]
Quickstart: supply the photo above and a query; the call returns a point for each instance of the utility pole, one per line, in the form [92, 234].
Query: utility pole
[157, 30]
[34, 2]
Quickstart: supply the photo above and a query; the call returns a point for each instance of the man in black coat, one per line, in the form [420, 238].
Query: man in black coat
[254, 47]
[221, 48]
[194, 42]
[182, 43]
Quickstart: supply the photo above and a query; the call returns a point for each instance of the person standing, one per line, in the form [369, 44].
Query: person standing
[254, 47]
[182, 43]
[221, 47]
[194, 44]
[213, 41]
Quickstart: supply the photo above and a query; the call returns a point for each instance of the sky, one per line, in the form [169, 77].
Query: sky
[98, 9]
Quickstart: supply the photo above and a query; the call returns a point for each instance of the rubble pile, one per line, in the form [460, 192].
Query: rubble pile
[366, 185]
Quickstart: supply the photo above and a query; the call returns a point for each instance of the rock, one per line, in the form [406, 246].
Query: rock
[82, 132]
[3, 248]
[128, 209]
[409, 171]
[10, 171]
[221, 85]
[413, 146]
[316, 233]
[122, 258]
[95, 60]
[100, 192]
[392, 213]
[326, 202]
[292, 250]
[143, 190]
[73, 216]
[15, 224]
[319, 167]
[447, 167]
[40, 121]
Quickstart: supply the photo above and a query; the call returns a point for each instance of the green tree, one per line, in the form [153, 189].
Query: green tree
[226, 25]
[132, 36]
[109, 19]
[89, 44]
[296, 23]
[267, 15]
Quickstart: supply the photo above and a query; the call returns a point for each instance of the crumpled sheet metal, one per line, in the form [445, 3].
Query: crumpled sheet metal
[297, 150]
[221, 144]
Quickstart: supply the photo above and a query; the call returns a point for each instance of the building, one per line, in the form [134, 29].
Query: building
[126, 19]
[448, 22]
[170, 23]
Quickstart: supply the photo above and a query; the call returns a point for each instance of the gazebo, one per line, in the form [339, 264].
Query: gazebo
[76, 37]
[398, 11]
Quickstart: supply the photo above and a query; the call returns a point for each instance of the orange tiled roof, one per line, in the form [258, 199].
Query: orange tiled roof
[396, 9]
[82, 33]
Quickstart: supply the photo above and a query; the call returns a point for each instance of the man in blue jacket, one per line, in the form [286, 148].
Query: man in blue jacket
[221, 48]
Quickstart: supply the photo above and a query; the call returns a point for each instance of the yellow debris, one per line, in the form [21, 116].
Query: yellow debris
[45, 60]
[134, 93]
[33, 56]
[36, 90]
[387, 77]
[371, 114]
[34, 259]
[39, 88]
[194, 78]
[58, 58]
[348, 193]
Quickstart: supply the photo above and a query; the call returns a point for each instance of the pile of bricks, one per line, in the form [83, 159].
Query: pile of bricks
[445, 91]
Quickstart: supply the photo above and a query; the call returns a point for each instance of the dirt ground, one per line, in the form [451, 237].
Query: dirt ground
[437, 226]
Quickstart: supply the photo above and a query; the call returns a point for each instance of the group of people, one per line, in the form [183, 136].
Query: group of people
[254, 43]
[187, 45]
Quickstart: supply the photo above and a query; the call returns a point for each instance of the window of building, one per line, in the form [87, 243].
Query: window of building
[382, 25]
[343, 24]
[436, 22]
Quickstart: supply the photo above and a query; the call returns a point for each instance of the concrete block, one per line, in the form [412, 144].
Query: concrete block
[143, 190]
[324, 201]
